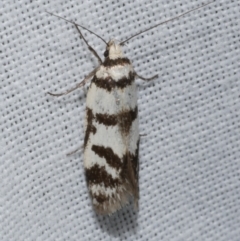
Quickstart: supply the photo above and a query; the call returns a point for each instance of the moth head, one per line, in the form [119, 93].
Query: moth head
[113, 50]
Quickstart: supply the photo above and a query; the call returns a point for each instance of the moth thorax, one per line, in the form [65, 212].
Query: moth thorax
[114, 50]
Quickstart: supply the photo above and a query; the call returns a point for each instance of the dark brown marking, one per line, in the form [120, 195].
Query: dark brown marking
[100, 198]
[108, 83]
[135, 161]
[129, 172]
[112, 62]
[90, 127]
[97, 175]
[126, 118]
[107, 120]
[107, 153]
[124, 171]
[130, 167]
[125, 81]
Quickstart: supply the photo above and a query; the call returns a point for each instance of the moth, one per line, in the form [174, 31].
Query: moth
[111, 142]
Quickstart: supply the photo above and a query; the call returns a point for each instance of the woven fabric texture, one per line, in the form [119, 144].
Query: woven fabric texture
[190, 155]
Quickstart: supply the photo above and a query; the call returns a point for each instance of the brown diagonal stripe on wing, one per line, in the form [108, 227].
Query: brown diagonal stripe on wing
[125, 81]
[107, 120]
[108, 83]
[124, 119]
[107, 153]
[113, 62]
[97, 175]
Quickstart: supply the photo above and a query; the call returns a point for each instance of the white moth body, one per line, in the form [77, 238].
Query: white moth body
[111, 140]
[111, 134]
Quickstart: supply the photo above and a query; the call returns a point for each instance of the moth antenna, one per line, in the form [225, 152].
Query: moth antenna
[122, 43]
[77, 25]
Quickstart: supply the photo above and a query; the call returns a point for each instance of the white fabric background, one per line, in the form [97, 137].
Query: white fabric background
[190, 158]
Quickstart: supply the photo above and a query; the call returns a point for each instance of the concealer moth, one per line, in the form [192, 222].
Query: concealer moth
[111, 142]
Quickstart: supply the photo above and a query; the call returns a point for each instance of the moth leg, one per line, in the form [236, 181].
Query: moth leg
[146, 79]
[73, 152]
[89, 47]
[82, 83]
